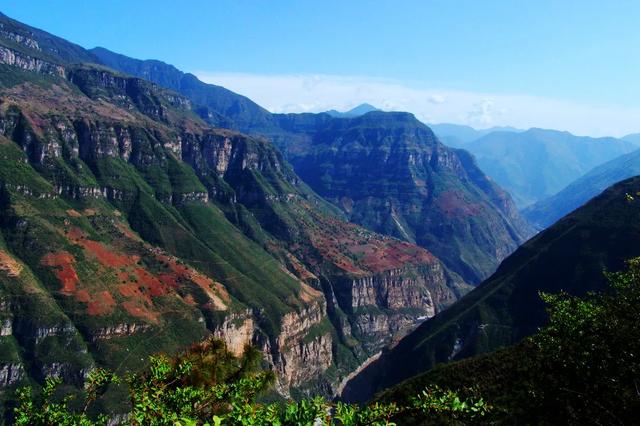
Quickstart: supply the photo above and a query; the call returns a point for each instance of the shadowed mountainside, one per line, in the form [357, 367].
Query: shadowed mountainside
[569, 256]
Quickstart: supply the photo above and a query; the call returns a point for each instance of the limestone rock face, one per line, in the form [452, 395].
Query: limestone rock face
[118, 330]
[10, 374]
[237, 330]
[28, 63]
[301, 356]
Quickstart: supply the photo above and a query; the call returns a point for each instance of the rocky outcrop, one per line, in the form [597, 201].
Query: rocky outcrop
[24, 40]
[66, 371]
[28, 63]
[11, 374]
[302, 354]
[191, 197]
[237, 330]
[118, 330]
[38, 334]
[127, 92]
[85, 192]
[391, 289]
[6, 327]
[303, 361]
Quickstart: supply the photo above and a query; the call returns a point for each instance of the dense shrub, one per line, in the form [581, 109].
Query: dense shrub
[207, 385]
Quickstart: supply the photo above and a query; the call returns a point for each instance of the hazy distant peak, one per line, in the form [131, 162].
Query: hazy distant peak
[633, 138]
[353, 112]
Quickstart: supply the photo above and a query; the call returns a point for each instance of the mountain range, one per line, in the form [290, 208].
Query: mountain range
[136, 218]
[129, 226]
[407, 187]
[388, 172]
[353, 112]
[142, 210]
[458, 135]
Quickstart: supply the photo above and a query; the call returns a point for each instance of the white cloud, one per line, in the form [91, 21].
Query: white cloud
[482, 114]
[315, 93]
[436, 99]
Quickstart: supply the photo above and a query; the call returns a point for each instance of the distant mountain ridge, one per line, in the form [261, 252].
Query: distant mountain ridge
[545, 212]
[537, 163]
[633, 138]
[219, 106]
[458, 135]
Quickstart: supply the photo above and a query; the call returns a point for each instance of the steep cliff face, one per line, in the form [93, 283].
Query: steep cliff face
[135, 227]
[389, 173]
[26, 62]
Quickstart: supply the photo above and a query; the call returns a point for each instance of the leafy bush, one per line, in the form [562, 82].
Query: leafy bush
[208, 386]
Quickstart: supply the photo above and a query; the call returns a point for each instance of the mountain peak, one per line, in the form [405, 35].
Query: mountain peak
[353, 112]
[362, 109]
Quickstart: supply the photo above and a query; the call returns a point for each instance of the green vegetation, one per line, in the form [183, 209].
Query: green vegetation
[581, 368]
[207, 385]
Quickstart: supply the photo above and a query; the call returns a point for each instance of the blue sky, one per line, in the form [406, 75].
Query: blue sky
[562, 64]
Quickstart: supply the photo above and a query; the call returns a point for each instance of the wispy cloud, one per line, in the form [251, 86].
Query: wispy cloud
[315, 93]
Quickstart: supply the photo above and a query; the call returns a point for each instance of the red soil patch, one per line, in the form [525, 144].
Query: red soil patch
[107, 257]
[151, 283]
[217, 293]
[103, 304]
[170, 280]
[309, 294]
[299, 269]
[76, 233]
[396, 255]
[65, 272]
[83, 296]
[132, 290]
[137, 309]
